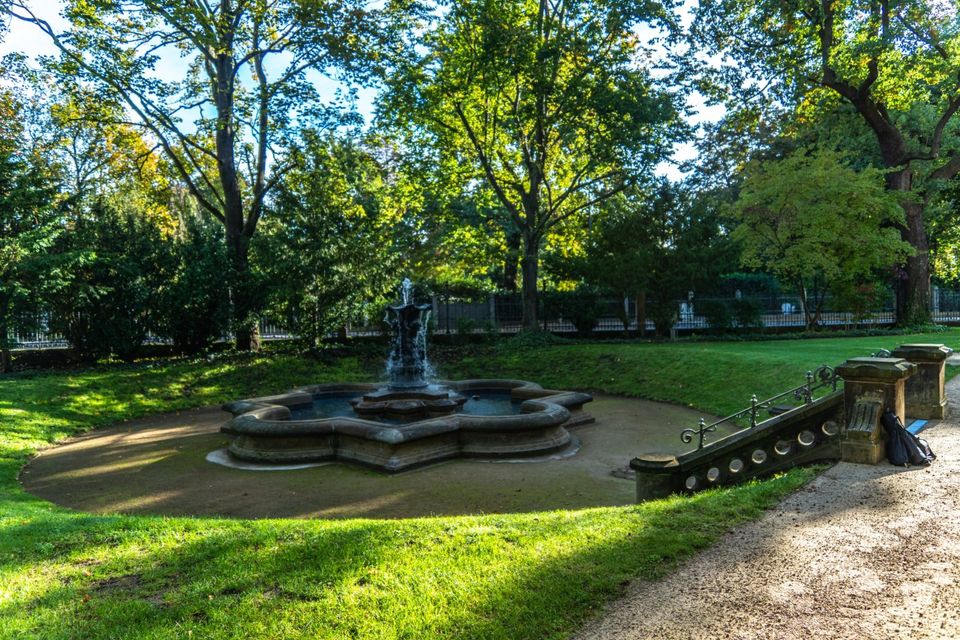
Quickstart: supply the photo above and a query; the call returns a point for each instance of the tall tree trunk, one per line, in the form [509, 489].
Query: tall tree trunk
[237, 235]
[912, 285]
[804, 303]
[912, 282]
[530, 266]
[243, 294]
[642, 313]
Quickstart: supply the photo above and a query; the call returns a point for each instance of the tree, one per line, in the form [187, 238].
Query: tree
[815, 222]
[111, 267]
[29, 221]
[654, 245]
[624, 247]
[550, 103]
[896, 64]
[223, 124]
[330, 238]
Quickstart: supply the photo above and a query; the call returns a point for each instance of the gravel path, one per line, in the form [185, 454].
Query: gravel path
[862, 552]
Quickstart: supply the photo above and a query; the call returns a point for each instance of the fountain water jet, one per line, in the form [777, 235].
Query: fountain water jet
[409, 396]
[407, 365]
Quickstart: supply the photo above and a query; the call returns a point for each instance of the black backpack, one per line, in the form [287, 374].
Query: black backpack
[903, 447]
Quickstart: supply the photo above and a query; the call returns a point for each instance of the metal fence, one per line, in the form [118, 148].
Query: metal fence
[34, 333]
[502, 313]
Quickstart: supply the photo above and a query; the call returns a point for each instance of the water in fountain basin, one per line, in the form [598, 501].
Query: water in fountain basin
[483, 403]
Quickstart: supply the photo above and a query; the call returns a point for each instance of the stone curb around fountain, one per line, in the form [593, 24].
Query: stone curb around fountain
[262, 430]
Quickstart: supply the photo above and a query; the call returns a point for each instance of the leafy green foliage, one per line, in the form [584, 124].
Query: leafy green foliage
[329, 246]
[242, 98]
[659, 244]
[192, 309]
[111, 269]
[811, 220]
[580, 306]
[550, 105]
[29, 220]
[717, 314]
[746, 312]
[892, 68]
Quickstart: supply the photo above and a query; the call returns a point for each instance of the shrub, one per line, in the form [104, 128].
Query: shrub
[860, 299]
[747, 313]
[466, 326]
[717, 315]
[580, 306]
[663, 313]
[194, 309]
[110, 269]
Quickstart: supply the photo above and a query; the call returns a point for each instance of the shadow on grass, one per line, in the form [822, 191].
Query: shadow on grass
[528, 576]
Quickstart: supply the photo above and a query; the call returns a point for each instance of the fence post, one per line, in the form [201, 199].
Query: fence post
[871, 385]
[657, 475]
[925, 394]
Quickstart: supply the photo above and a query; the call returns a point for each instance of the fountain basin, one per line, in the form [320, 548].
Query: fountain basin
[280, 429]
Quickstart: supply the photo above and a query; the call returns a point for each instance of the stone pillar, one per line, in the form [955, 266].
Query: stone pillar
[925, 394]
[871, 385]
[658, 475]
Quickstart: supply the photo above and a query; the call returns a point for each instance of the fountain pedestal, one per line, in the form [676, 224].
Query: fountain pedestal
[407, 364]
[407, 404]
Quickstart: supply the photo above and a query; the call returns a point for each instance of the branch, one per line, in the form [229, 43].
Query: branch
[549, 221]
[487, 168]
[126, 94]
[949, 170]
[937, 139]
[203, 48]
[262, 139]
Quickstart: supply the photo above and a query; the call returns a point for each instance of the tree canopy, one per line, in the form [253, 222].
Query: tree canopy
[551, 104]
[897, 65]
[240, 93]
[814, 222]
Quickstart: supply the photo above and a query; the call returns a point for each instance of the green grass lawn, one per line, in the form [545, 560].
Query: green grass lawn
[71, 575]
[712, 376]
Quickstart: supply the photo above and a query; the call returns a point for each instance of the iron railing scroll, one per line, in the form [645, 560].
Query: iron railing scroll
[820, 378]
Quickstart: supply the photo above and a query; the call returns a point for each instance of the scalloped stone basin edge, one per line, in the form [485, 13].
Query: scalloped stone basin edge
[262, 431]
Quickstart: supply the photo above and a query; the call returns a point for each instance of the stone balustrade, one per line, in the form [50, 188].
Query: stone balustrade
[842, 425]
[870, 386]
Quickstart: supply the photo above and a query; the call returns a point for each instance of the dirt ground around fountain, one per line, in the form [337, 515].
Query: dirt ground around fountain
[158, 466]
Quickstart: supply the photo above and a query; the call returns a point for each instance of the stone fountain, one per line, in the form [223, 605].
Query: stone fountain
[409, 396]
[410, 421]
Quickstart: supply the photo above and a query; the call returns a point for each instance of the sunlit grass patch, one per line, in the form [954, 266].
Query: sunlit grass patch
[535, 575]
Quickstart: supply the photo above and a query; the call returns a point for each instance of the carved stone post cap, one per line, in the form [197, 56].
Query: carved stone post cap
[655, 463]
[876, 369]
[923, 352]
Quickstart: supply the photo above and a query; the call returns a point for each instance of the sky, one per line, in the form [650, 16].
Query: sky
[28, 39]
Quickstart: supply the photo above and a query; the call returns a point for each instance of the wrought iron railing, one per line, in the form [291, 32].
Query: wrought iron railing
[820, 378]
